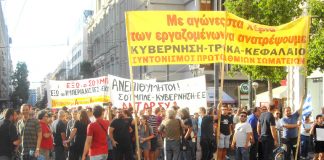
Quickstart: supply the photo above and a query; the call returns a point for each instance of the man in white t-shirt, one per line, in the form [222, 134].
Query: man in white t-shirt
[242, 138]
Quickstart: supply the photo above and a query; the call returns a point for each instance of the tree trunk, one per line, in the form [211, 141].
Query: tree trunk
[270, 91]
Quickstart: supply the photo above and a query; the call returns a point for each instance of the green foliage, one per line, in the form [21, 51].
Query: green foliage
[315, 57]
[86, 69]
[267, 12]
[21, 84]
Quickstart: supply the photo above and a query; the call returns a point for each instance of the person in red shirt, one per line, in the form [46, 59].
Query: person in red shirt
[47, 140]
[96, 144]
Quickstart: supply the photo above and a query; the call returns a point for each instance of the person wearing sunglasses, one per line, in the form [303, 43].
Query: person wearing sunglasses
[242, 138]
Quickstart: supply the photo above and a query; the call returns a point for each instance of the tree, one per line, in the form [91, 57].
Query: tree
[86, 69]
[21, 84]
[315, 57]
[267, 12]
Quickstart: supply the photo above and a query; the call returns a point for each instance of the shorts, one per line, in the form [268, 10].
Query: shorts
[224, 141]
[145, 146]
[154, 144]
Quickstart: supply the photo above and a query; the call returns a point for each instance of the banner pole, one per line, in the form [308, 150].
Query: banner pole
[135, 111]
[304, 94]
[138, 155]
[298, 129]
[219, 106]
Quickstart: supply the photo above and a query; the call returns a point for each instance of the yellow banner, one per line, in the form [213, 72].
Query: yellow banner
[201, 37]
[79, 101]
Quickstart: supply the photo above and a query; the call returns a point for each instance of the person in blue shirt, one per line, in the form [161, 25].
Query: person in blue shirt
[290, 125]
[253, 120]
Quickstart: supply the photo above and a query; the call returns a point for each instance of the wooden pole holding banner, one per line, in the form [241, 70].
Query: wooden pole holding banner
[304, 94]
[138, 155]
[299, 119]
[219, 106]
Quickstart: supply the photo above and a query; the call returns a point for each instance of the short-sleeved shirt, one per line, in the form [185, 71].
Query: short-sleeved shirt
[46, 143]
[253, 120]
[121, 133]
[58, 128]
[241, 131]
[225, 123]
[171, 128]
[290, 132]
[28, 131]
[8, 134]
[99, 137]
[267, 120]
[207, 127]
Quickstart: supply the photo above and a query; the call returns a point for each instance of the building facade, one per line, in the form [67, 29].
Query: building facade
[5, 63]
[108, 46]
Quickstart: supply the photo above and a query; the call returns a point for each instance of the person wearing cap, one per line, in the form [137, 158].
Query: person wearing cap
[47, 140]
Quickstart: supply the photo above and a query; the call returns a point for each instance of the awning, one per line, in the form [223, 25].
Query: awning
[211, 93]
[277, 93]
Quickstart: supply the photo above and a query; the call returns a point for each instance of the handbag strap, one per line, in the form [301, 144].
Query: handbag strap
[102, 127]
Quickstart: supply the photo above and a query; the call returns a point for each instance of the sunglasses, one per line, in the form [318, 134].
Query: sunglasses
[243, 116]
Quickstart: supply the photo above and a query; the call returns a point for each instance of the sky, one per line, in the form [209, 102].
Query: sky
[40, 32]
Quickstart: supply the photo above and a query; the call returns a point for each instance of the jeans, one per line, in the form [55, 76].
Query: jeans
[291, 146]
[304, 145]
[99, 157]
[171, 149]
[241, 153]
[267, 148]
[254, 151]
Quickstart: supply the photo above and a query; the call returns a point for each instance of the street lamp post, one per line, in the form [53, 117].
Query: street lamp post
[255, 86]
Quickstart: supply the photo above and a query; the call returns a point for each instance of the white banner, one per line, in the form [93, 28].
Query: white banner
[189, 93]
[84, 92]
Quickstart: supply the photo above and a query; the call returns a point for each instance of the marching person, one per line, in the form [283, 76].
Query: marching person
[119, 133]
[30, 134]
[242, 137]
[267, 133]
[59, 128]
[305, 137]
[253, 121]
[225, 132]
[319, 144]
[96, 145]
[78, 135]
[171, 129]
[47, 138]
[207, 143]
[290, 126]
[9, 139]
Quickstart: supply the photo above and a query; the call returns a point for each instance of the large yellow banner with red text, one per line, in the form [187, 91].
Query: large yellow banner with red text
[200, 37]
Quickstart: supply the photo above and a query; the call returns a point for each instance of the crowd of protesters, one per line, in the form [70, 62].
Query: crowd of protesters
[107, 132]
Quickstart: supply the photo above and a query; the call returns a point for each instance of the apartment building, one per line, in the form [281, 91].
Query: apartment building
[5, 62]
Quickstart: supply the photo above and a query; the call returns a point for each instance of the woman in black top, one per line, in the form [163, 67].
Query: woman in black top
[79, 135]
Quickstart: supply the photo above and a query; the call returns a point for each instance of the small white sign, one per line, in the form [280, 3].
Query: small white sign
[320, 134]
